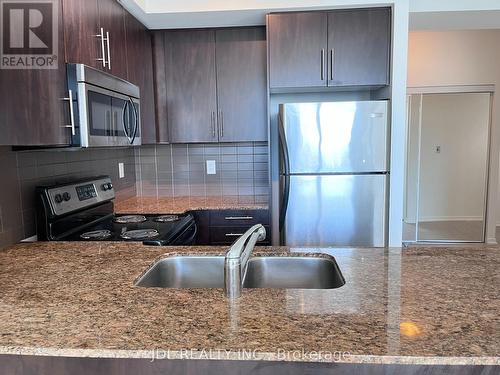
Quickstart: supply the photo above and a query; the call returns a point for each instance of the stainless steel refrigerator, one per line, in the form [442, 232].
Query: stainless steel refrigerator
[333, 173]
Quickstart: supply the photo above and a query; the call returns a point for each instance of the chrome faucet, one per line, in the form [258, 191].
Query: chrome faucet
[236, 261]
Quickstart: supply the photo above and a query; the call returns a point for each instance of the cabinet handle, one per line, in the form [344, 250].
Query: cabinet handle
[212, 123]
[103, 58]
[109, 54]
[234, 234]
[71, 113]
[322, 64]
[238, 218]
[221, 115]
[331, 64]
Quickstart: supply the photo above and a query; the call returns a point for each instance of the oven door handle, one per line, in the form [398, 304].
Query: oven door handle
[192, 238]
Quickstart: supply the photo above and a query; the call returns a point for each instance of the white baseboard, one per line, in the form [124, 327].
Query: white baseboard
[429, 219]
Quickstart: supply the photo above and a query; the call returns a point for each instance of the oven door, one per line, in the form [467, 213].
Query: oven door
[108, 118]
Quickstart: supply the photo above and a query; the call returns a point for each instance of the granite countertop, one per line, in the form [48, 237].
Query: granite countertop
[412, 306]
[153, 205]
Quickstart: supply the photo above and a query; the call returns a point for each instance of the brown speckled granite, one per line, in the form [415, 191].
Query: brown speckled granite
[152, 205]
[78, 299]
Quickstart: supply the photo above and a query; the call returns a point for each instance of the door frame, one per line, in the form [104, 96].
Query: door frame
[452, 89]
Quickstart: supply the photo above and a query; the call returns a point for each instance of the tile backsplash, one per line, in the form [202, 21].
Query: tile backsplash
[156, 171]
[23, 171]
[241, 171]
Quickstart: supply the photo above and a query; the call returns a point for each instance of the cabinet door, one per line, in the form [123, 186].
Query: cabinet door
[191, 87]
[81, 25]
[32, 112]
[140, 72]
[160, 86]
[241, 84]
[359, 47]
[112, 20]
[297, 49]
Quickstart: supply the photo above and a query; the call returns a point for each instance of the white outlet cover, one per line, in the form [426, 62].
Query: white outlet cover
[211, 167]
[121, 170]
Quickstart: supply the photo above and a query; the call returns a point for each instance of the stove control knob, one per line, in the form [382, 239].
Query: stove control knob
[66, 196]
[58, 198]
[107, 186]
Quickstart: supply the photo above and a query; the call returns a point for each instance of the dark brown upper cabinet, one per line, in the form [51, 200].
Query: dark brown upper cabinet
[34, 105]
[341, 48]
[160, 86]
[140, 72]
[358, 47]
[215, 83]
[81, 26]
[94, 34]
[112, 23]
[297, 49]
[33, 110]
[241, 84]
[191, 86]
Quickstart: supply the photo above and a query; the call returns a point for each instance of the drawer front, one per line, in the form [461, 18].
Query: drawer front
[228, 234]
[236, 218]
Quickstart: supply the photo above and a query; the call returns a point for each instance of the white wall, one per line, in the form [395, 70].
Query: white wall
[452, 181]
[469, 57]
[161, 14]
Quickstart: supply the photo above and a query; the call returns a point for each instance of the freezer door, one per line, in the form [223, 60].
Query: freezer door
[332, 137]
[345, 210]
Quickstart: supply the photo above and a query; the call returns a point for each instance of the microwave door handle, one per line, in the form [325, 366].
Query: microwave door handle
[136, 117]
[124, 113]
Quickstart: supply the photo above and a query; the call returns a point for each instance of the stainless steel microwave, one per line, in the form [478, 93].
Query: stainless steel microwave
[104, 109]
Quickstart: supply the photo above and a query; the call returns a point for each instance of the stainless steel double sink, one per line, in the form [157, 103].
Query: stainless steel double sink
[298, 271]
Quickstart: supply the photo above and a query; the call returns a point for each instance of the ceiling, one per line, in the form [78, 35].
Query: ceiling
[424, 14]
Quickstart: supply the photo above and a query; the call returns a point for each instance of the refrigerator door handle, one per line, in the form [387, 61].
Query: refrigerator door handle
[285, 172]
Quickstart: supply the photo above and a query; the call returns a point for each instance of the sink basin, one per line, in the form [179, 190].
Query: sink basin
[294, 272]
[291, 272]
[185, 272]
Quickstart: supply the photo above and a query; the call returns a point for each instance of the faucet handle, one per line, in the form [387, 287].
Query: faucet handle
[238, 248]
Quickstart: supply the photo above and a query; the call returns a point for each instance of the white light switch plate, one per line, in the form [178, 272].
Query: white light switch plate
[211, 167]
[121, 170]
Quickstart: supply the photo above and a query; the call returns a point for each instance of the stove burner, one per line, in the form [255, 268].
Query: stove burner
[166, 218]
[96, 235]
[139, 234]
[128, 219]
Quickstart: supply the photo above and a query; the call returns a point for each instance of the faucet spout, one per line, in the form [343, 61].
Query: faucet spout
[236, 261]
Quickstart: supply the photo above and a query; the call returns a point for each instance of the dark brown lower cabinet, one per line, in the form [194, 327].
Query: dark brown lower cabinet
[223, 227]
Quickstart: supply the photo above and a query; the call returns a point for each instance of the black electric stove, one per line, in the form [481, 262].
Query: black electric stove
[83, 211]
